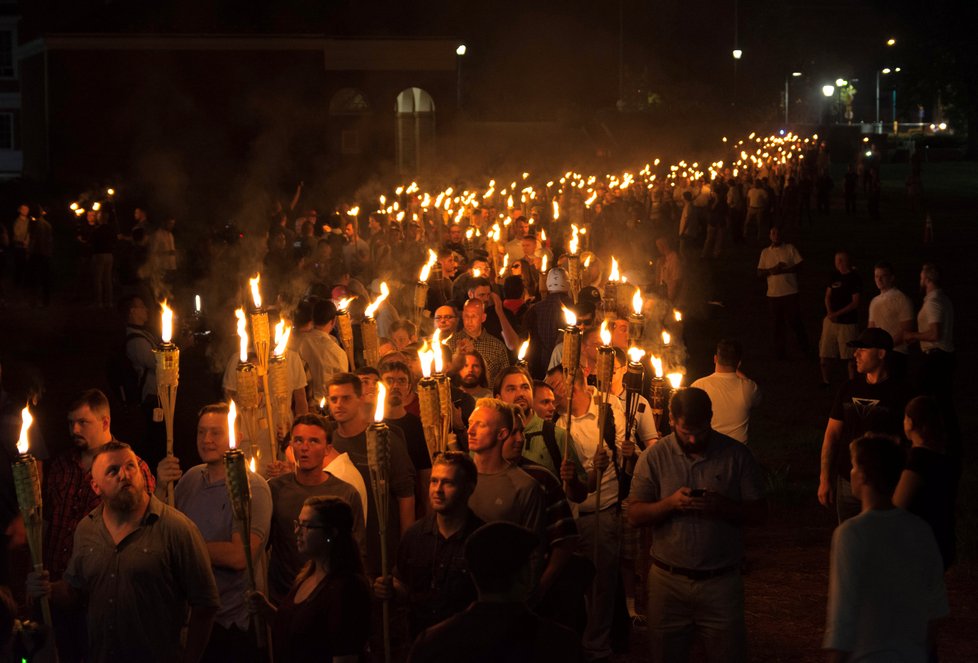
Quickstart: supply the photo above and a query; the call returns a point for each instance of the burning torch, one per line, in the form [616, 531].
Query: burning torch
[444, 393]
[571, 363]
[239, 497]
[278, 375]
[261, 338]
[378, 458]
[428, 401]
[604, 372]
[27, 485]
[246, 385]
[421, 289]
[167, 380]
[521, 355]
[574, 263]
[345, 326]
[636, 320]
[368, 328]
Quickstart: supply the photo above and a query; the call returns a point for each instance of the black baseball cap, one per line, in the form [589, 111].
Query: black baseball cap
[873, 337]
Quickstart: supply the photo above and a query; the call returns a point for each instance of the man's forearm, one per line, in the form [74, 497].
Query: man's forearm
[648, 513]
[198, 632]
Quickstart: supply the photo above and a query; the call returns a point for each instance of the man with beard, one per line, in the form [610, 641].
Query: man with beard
[697, 489]
[431, 573]
[471, 375]
[474, 336]
[138, 566]
[311, 446]
[545, 445]
[400, 387]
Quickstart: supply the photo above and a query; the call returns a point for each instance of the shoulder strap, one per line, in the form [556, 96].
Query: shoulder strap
[550, 439]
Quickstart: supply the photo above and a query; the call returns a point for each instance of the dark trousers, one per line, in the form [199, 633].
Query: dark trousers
[937, 381]
[232, 644]
[786, 313]
[41, 278]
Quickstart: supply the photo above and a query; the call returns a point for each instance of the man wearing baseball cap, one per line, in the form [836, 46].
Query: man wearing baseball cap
[544, 321]
[873, 402]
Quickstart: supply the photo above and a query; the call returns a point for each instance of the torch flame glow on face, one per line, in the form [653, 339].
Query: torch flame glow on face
[637, 302]
[255, 291]
[282, 332]
[167, 328]
[384, 292]
[614, 274]
[569, 316]
[426, 356]
[657, 366]
[666, 337]
[242, 334]
[521, 355]
[675, 380]
[381, 401]
[635, 354]
[25, 424]
[605, 333]
[232, 416]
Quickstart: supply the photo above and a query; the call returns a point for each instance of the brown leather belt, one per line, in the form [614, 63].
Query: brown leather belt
[694, 574]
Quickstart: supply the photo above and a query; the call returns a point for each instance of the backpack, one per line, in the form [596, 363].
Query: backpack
[549, 434]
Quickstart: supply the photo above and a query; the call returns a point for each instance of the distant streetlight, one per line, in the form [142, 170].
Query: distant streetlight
[841, 82]
[885, 70]
[828, 90]
[796, 74]
[891, 42]
[737, 54]
[460, 50]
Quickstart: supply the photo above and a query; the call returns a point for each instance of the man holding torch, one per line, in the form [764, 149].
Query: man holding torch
[201, 494]
[138, 565]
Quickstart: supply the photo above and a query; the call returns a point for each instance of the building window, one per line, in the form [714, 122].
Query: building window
[6, 131]
[6, 53]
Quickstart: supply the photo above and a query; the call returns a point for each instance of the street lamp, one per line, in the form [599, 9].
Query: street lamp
[841, 82]
[787, 99]
[891, 42]
[737, 54]
[828, 90]
[459, 52]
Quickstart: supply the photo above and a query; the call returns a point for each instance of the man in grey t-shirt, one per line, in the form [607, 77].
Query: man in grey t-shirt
[697, 489]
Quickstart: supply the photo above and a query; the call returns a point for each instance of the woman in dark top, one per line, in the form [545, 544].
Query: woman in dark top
[926, 486]
[326, 616]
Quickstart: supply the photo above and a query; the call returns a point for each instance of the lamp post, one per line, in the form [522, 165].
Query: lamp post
[828, 91]
[787, 98]
[459, 52]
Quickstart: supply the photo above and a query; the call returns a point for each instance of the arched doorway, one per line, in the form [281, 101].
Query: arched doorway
[347, 108]
[414, 113]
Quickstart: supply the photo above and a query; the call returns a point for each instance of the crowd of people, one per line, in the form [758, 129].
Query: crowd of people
[566, 510]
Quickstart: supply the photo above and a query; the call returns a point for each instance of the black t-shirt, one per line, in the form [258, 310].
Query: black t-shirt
[864, 408]
[934, 499]
[417, 447]
[842, 287]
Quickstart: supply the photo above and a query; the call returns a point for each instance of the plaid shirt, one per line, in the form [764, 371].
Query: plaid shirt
[68, 497]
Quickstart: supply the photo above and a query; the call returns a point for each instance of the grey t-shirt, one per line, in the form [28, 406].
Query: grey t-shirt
[401, 485]
[288, 495]
[206, 503]
[511, 495]
[688, 540]
[138, 591]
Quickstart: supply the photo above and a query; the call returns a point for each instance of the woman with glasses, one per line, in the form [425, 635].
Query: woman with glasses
[326, 615]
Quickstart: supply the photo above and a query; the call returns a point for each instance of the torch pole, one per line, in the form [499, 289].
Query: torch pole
[167, 381]
[571, 361]
[27, 484]
[378, 458]
[261, 336]
[371, 348]
[604, 369]
[345, 325]
[430, 407]
[248, 399]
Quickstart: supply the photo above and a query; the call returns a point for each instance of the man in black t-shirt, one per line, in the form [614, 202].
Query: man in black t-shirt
[841, 322]
[397, 377]
[873, 402]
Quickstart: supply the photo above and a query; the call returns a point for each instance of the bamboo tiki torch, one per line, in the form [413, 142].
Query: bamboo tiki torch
[421, 290]
[543, 276]
[378, 458]
[636, 320]
[633, 382]
[447, 438]
[239, 497]
[605, 371]
[345, 326]
[167, 380]
[246, 386]
[278, 376]
[428, 401]
[571, 362]
[660, 393]
[27, 484]
[574, 265]
[609, 299]
[368, 328]
[261, 339]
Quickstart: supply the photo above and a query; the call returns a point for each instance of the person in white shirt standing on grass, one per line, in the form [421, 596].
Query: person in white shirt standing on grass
[779, 264]
[732, 393]
[892, 310]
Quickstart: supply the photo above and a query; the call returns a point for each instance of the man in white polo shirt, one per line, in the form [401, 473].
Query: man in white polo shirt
[779, 264]
[892, 310]
[732, 393]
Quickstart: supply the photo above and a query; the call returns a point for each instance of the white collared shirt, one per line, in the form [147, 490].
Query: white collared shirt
[584, 431]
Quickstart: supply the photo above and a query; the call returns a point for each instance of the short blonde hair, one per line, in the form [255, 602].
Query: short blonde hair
[503, 410]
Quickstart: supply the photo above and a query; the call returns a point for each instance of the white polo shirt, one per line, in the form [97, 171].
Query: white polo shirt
[888, 310]
[937, 309]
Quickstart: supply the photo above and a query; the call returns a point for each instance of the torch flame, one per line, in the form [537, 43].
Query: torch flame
[521, 354]
[635, 354]
[543, 236]
[425, 271]
[344, 303]
[426, 355]
[432, 257]
[167, 329]
[678, 315]
[476, 272]
[255, 292]
[436, 349]
[657, 366]
[73, 206]
[605, 333]
[666, 337]
[25, 423]
[587, 261]
[502, 270]
[232, 415]
[384, 292]
[569, 316]
[675, 379]
[381, 401]
[543, 263]
[322, 404]
[282, 332]
[614, 275]
[556, 210]
[637, 302]
[197, 303]
[242, 334]
[251, 466]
